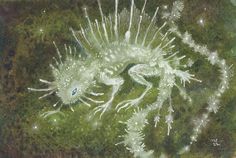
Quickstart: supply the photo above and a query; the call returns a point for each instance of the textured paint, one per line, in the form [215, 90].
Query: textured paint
[116, 41]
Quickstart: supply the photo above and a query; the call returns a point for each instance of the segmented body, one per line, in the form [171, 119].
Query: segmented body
[121, 39]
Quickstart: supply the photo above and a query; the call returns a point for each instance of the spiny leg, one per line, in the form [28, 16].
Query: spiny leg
[116, 84]
[137, 73]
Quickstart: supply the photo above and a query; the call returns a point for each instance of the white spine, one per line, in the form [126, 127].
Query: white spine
[128, 33]
[77, 40]
[140, 21]
[58, 52]
[116, 20]
[146, 33]
[83, 34]
[154, 37]
[103, 22]
[90, 25]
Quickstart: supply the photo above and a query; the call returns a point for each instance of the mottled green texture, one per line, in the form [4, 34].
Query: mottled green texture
[1, 35]
[97, 137]
[233, 2]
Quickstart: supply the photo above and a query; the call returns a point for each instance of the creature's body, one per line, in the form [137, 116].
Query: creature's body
[121, 39]
[137, 41]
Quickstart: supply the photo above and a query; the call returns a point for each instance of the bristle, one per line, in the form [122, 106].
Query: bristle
[164, 36]
[103, 22]
[70, 50]
[45, 81]
[96, 94]
[169, 42]
[54, 105]
[83, 34]
[154, 37]
[98, 29]
[90, 25]
[172, 55]
[146, 33]
[140, 21]
[105, 31]
[77, 40]
[75, 52]
[54, 69]
[128, 33]
[111, 25]
[45, 95]
[131, 15]
[100, 9]
[72, 109]
[66, 50]
[40, 90]
[57, 63]
[84, 102]
[116, 19]
[58, 52]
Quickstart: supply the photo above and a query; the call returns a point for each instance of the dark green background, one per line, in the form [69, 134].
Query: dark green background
[25, 55]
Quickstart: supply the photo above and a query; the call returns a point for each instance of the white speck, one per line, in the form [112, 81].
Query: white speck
[190, 62]
[213, 58]
[35, 127]
[215, 142]
[201, 22]
[165, 6]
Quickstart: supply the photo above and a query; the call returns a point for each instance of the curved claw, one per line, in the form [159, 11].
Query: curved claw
[102, 108]
[48, 113]
[126, 103]
[97, 109]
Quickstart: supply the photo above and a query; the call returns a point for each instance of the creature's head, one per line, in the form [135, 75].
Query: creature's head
[73, 79]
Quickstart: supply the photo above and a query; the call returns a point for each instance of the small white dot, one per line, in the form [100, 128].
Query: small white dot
[165, 6]
[201, 22]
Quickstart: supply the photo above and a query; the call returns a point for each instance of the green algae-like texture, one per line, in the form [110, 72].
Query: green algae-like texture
[27, 29]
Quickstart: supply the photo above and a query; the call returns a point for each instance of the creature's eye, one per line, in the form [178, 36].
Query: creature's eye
[74, 91]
